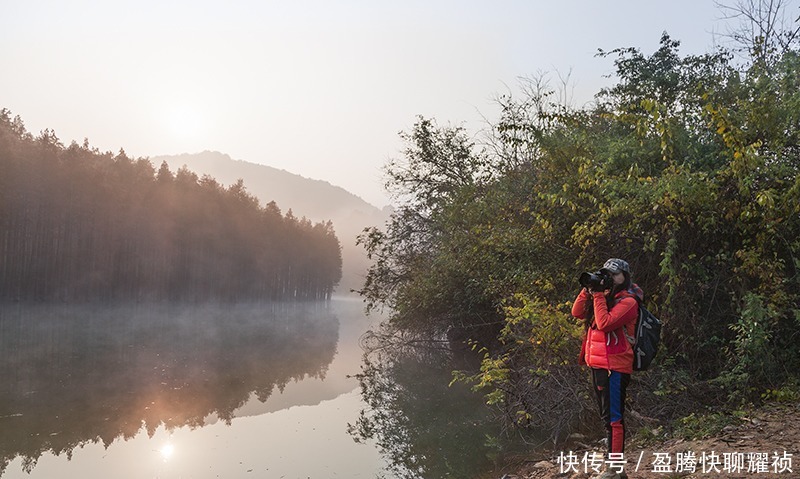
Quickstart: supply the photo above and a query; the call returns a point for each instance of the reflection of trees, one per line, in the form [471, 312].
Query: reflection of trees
[423, 427]
[80, 376]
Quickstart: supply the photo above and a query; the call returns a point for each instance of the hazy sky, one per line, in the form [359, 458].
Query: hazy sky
[319, 88]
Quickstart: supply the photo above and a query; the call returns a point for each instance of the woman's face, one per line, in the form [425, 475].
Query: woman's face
[618, 278]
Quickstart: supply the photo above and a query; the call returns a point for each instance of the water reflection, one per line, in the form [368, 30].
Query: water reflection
[423, 427]
[167, 450]
[80, 375]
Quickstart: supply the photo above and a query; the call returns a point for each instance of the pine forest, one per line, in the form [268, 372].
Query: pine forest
[80, 225]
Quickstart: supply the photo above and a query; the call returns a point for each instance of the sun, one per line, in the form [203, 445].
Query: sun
[184, 122]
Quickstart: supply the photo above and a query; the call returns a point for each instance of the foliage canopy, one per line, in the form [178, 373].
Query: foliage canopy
[688, 167]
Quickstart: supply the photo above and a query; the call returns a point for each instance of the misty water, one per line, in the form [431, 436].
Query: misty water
[204, 391]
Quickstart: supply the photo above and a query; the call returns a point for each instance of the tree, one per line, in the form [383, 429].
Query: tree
[766, 29]
[688, 166]
[78, 225]
[413, 257]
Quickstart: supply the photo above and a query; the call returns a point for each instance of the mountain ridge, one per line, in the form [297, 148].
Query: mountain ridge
[269, 183]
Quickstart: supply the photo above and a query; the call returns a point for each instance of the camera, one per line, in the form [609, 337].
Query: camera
[597, 281]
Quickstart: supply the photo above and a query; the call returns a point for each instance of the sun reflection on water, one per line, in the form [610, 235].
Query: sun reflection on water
[167, 450]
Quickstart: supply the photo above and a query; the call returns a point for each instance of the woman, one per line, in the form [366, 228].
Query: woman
[610, 317]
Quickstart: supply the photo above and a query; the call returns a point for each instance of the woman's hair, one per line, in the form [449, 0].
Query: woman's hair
[626, 285]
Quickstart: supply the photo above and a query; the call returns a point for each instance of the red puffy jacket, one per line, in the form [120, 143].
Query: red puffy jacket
[606, 344]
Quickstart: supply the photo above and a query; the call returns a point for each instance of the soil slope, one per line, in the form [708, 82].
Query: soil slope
[766, 444]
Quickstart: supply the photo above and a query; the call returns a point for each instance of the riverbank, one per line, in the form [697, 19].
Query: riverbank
[762, 443]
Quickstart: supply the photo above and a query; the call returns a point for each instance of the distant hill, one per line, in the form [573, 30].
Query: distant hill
[317, 200]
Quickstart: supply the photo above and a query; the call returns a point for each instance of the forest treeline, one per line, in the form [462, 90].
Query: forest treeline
[80, 225]
[687, 166]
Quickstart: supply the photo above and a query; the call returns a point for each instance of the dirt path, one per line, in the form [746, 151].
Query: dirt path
[764, 445]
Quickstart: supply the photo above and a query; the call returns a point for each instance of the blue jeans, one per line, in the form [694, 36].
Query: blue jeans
[610, 388]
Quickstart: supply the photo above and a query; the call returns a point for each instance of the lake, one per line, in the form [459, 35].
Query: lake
[207, 391]
[182, 391]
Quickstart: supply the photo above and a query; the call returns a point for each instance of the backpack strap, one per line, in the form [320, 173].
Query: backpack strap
[631, 294]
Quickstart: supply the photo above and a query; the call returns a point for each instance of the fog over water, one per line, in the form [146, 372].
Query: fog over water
[181, 391]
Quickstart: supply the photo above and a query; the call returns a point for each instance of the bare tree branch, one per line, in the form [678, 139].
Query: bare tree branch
[764, 29]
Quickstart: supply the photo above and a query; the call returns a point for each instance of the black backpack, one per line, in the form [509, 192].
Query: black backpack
[647, 336]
